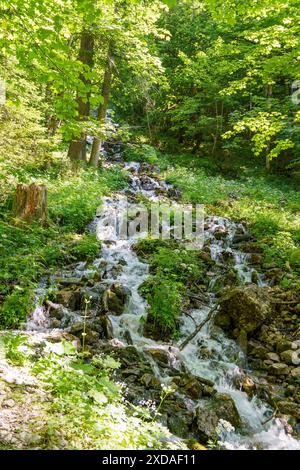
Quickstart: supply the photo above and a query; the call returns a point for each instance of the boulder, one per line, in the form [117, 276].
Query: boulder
[289, 408]
[115, 299]
[273, 357]
[279, 369]
[70, 298]
[244, 309]
[295, 373]
[288, 357]
[221, 406]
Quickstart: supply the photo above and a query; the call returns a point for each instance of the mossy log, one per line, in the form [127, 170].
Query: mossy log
[30, 203]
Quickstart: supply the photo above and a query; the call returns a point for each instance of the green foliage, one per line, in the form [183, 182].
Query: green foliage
[15, 308]
[83, 407]
[174, 269]
[85, 247]
[165, 299]
[268, 204]
[140, 153]
[89, 407]
[229, 73]
[12, 343]
[73, 201]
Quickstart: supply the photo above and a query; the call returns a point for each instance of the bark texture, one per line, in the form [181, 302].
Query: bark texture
[77, 148]
[30, 203]
[96, 148]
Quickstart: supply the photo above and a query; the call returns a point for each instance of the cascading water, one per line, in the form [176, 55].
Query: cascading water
[210, 354]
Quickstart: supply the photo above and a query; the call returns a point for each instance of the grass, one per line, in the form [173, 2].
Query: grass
[29, 252]
[268, 204]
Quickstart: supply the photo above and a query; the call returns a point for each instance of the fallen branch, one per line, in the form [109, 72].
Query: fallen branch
[201, 297]
[190, 316]
[199, 328]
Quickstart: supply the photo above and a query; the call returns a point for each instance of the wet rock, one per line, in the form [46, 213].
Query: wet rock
[221, 233]
[244, 309]
[254, 277]
[106, 326]
[160, 355]
[150, 381]
[70, 298]
[68, 281]
[221, 406]
[174, 193]
[92, 337]
[193, 386]
[238, 238]
[180, 424]
[55, 310]
[115, 299]
[92, 296]
[248, 386]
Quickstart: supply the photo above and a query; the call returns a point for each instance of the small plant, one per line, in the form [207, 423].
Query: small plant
[12, 344]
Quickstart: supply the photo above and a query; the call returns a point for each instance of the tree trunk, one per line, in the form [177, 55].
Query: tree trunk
[96, 148]
[77, 148]
[30, 203]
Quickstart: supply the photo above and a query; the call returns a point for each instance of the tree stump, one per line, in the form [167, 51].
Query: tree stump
[30, 203]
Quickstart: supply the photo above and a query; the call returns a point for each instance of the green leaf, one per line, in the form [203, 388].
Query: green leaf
[98, 397]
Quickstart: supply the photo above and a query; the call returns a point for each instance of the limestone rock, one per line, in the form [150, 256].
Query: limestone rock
[221, 406]
[115, 299]
[244, 309]
[279, 369]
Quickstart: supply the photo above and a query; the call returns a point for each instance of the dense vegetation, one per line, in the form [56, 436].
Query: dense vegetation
[208, 96]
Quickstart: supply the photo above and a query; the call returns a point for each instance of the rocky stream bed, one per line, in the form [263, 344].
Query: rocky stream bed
[236, 381]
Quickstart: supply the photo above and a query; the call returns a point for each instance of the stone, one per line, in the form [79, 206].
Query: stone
[220, 233]
[10, 403]
[256, 349]
[160, 355]
[244, 309]
[289, 408]
[283, 345]
[295, 373]
[288, 357]
[221, 406]
[68, 281]
[273, 357]
[248, 386]
[279, 369]
[70, 298]
[115, 299]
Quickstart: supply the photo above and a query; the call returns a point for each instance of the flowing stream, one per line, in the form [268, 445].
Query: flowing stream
[210, 354]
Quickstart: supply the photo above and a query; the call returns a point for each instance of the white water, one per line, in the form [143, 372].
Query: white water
[210, 354]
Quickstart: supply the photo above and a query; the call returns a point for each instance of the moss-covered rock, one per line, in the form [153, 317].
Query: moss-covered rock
[244, 309]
